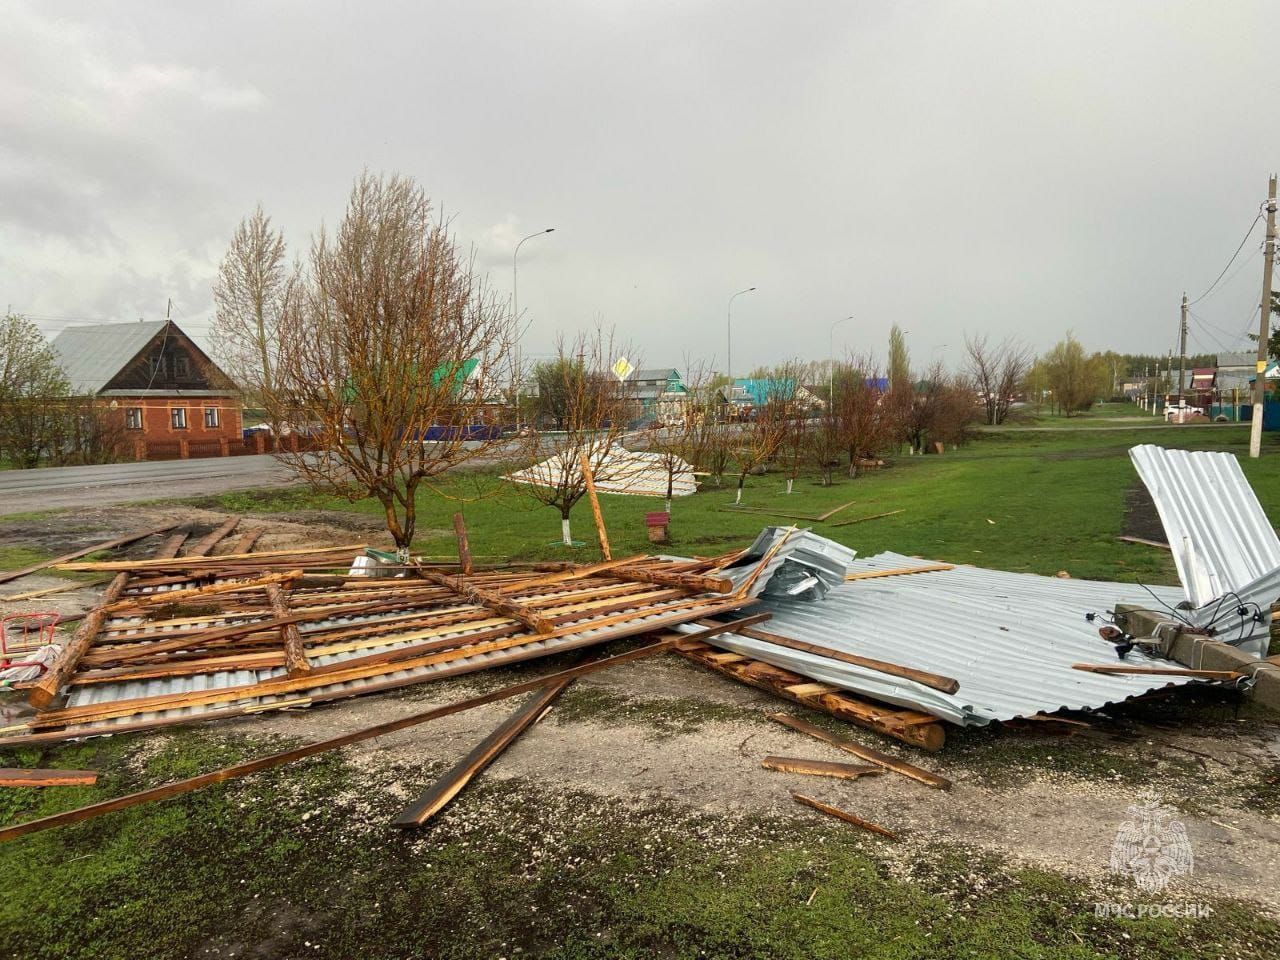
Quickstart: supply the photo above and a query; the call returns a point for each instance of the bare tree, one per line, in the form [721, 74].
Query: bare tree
[868, 417]
[675, 438]
[387, 349]
[997, 373]
[591, 423]
[941, 411]
[249, 295]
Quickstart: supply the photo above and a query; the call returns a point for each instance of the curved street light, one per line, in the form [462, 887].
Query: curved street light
[728, 360]
[515, 309]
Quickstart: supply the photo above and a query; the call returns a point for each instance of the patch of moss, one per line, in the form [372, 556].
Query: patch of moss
[665, 716]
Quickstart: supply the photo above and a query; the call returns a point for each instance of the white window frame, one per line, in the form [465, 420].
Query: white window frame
[178, 418]
[211, 418]
[133, 418]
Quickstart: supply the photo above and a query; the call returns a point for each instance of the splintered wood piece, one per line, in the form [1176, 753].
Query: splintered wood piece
[866, 753]
[295, 654]
[489, 749]
[24, 777]
[68, 659]
[202, 546]
[7, 575]
[844, 815]
[490, 600]
[1125, 670]
[820, 768]
[603, 534]
[899, 571]
[49, 591]
[192, 784]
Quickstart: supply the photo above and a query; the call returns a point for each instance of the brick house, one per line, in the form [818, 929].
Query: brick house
[172, 400]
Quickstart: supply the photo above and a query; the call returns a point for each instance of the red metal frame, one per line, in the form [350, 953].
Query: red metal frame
[23, 633]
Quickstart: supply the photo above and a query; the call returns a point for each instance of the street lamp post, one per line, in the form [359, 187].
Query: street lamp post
[728, 360]
[515, 309]
[831, 358]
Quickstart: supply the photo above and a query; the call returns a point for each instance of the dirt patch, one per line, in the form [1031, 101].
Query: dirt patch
[1141, 519]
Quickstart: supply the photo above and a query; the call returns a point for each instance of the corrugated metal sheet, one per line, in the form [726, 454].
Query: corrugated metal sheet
[804, 565]
[1221, 538]
[1008, 638]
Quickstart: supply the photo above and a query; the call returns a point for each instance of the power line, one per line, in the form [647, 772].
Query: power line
[1243, 241]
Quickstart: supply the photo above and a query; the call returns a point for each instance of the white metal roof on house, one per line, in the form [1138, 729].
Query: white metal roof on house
[91, 356]
[1008, 638]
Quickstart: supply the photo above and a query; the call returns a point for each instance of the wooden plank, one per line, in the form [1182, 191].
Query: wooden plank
[202, 546]
[844, 815]
[464, 548]
[685, 581]
[165, 597]
[489, 749]
[596, 515]
[899, 571]
[1125, 670]
[810, 689]
[28, 777]
[50, 591]
[866, 753]
[874, 516]
[177, 788]
[7, 575]
[820, 768]
[933, 680]
[295, 654]
[247, 540]
[192, 562]
[172, 544]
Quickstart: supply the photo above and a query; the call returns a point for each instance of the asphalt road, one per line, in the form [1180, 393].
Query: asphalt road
[52, 488]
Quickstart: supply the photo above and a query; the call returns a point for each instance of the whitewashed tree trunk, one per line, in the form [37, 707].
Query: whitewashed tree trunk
[668, 505]
[738, 499]
[789, 482]
[564, 531]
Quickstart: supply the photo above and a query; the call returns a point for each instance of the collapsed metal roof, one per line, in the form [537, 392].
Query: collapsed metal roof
[1008, 638]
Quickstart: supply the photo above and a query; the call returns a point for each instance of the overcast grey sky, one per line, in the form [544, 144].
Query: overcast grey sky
[1017, 167]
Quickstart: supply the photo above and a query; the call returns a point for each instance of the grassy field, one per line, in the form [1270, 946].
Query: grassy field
[298, 861]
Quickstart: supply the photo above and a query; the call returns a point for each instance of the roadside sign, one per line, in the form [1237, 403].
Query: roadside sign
[622, 368]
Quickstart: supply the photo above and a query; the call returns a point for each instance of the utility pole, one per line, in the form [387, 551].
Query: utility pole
[1264, 325]
[1182, 353]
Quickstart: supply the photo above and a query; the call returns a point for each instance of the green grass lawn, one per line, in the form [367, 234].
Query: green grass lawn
[1028, 501]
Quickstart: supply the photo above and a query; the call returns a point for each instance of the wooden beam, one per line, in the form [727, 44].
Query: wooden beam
[49, 591]
[933, 680]
[1125, 669]
[490, 600]
[844, 815]
[27, 777]
[206, 543]
[164, 597]
[866, 753]
[295, 654]
[603, 534]
[7, 575]
[899, 571]
[68, 658]
[1145, 542]
[685, 581]
[820, 768]
[247, 540]
[265, 558]
[464, 548]
[489, 749]
[191, 784]
[172, 544]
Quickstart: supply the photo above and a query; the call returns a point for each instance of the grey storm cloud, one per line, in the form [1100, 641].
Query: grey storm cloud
[1017, 168]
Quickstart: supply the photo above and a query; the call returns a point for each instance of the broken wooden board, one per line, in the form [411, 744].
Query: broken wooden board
[7, 575]
[910, 726]
[866, 753]
[30, 777]
[820, 768]
[489, 749]
[844, 815]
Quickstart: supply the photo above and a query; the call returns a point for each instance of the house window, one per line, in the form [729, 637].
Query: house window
[181, 366]
[178, 418]
[133, 418]
[210, 417]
